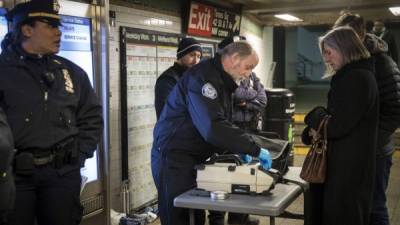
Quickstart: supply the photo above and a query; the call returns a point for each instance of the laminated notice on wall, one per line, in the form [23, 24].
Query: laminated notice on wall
[144, 56]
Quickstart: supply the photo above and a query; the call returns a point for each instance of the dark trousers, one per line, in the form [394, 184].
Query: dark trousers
[176, 175]
[379, 214]
[3, 218]
[316, 201]
[48, 197]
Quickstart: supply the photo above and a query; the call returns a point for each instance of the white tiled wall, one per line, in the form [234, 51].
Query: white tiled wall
[254, 34]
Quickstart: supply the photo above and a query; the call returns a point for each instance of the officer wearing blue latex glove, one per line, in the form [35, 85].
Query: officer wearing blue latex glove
[246, 158]
[196, 116]
[265, 159]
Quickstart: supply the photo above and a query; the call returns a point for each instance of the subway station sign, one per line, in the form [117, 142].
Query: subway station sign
[211, 21]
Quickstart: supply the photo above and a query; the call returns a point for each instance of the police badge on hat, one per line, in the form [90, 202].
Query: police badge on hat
[209, 91]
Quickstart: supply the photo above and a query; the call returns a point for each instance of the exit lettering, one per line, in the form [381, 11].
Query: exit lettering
[200, 19]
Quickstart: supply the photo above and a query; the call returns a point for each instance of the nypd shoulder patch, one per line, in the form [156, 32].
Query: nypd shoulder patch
[209, 91]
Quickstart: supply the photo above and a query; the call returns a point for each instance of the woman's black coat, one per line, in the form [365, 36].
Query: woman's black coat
[353, 104]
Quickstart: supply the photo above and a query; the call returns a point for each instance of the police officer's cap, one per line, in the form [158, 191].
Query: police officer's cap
[42, 10]
[229, 40]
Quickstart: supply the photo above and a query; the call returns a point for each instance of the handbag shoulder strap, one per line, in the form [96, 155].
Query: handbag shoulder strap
[325, 124]
[317, 134]
[322, 125]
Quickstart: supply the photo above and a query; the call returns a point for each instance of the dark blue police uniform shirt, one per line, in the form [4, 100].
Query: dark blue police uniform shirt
[195, 118]
[42, 114]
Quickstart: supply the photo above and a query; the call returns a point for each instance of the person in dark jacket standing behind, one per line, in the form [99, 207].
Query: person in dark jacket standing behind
[387, 75]
[7, 187]
[353, 104]
[381, 31]
[188, 54]
[54, 115]
[195, 122]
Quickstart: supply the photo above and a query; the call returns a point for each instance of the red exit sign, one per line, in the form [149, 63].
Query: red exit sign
[212, 21]
[200, 19]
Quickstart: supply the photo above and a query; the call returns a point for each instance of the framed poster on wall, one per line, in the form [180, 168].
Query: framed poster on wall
[208, 49]
[144, 56]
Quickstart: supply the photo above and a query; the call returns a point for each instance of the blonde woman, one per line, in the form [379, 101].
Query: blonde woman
[387, 75]
[345, 197]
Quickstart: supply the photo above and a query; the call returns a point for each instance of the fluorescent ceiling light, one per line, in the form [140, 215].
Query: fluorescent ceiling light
[288, 17]
[395, 10]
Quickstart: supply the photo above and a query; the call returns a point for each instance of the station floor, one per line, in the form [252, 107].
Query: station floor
[393, 194]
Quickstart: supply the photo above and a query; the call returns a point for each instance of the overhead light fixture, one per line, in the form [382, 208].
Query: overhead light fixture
[288, 17]
[395, 10]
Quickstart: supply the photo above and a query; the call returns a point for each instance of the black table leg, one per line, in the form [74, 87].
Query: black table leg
[191, 214]
[272, 220]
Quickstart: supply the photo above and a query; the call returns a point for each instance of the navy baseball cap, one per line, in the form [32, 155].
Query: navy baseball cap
[43, 10]
[229, 40]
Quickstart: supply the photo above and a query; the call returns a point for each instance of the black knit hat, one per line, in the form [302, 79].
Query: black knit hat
[46, 10]
[229, 40]
[186, 46]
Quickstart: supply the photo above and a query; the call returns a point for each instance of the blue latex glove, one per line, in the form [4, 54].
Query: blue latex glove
[246, 158]
[265, 159]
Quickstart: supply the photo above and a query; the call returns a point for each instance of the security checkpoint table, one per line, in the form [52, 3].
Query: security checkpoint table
[272, 205]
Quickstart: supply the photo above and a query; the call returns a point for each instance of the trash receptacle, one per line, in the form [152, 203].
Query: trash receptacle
[278, 118]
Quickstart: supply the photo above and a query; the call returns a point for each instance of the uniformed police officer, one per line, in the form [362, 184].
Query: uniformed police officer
[54, 115]
[7, 187]
[195, 122]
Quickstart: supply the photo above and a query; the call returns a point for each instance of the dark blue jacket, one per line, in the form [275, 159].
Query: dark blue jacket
[164, 85]
[195, 118]
[47, 100]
